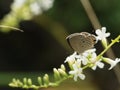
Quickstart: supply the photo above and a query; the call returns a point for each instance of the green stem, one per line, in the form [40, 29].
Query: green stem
[86, 66]
[112, 43]
[99, 56]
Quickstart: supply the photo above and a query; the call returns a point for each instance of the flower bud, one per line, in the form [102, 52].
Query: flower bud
[56, 74]
[40, 81]
[46, 79]
[63, 73]
[29, 82]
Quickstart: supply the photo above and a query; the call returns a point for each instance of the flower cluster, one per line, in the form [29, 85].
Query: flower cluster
[36, 7]
[89, 58]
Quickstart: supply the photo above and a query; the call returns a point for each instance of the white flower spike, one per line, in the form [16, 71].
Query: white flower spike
[89, 59]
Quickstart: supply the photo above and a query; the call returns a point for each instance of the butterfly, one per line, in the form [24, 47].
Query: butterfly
[81, 42]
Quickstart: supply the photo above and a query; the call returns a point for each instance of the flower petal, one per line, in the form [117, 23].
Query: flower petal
[107, 34]
[75, 78]
[82, 76]
[100, 64]
[98, 31]
[103, 29]
[94, 67]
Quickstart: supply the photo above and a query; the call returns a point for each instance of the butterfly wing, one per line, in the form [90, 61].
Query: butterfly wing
[80, 42]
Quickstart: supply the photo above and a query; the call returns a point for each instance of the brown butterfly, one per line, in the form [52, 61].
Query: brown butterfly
[81, 42]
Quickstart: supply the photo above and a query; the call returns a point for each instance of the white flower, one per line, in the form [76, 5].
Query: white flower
[35, 8]
[77, 72]
[101, 34]
[46, 4]
[113, 63]
[91, 58]
[88, 56]
[90, 53]
[73, 57]
[17, 3]
[98, 64]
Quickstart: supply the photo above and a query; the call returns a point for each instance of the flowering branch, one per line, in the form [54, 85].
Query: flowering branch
[89, 58]
[77, 64]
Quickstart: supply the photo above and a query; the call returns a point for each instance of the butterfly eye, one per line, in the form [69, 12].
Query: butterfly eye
[94, 40]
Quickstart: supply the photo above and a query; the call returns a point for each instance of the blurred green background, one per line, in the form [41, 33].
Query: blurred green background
[42, 46]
